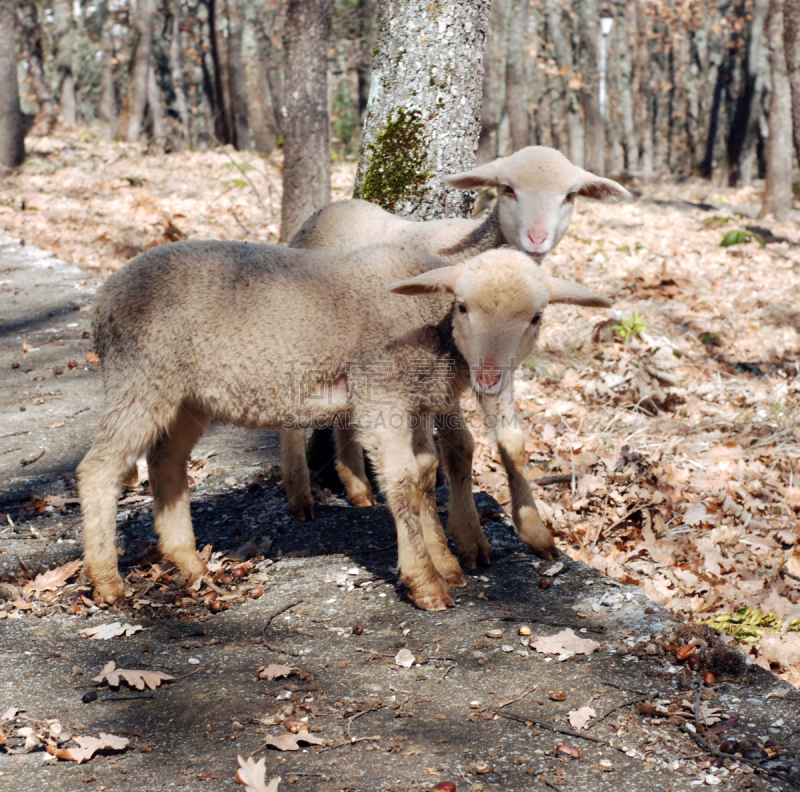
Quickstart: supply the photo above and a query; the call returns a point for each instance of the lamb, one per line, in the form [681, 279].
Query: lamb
[193, 332]
[536, 187]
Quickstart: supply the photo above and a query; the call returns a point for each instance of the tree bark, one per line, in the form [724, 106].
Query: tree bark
[177, 73]
[493, 86]
[556, 24]
[778, 190]
[132, 117]
[62, 14]
[240, 123]
[155, 110]
[108, 101]
[594, 132]
[31, 41]
[423, 118]
[645, 104]
[222, 125]
[744, 129]
[12, 133]
[791, 33]
[306, 157]
[516, 93]
[629, 142]
[258, 52]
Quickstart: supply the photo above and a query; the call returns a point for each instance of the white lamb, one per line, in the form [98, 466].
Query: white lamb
[200, 331]
[536, 188]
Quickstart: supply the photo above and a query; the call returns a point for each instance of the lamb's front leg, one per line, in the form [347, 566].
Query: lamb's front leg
[391, 451]
[350, 467]
[295, 475]
[511, 444]
[435, 540]
[463, 522]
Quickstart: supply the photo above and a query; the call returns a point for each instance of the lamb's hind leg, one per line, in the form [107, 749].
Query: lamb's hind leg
[435, 540]
[294, 470]
[123, 437]
[463, 523]
[166, 463]
[350, 467]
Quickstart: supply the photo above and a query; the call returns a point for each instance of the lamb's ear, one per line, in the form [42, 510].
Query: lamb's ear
[483, 176]
[564, 291]
[600, 189]
[440, 279]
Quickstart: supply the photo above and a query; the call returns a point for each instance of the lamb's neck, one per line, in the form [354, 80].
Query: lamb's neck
[486, 236]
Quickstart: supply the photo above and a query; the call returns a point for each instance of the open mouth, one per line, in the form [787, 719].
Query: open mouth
[488, 380]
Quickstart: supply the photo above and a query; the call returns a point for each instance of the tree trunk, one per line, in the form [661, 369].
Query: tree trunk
[307, 156]
[155, 109]
[778, 190]
[108, 102]
[177, 73]
[222, 126]
[493, 86]
[31, 41]
[744, 129]
[516, 93]
[644, 90]
[791, 33]
[556, 24]
[423, 118]
[594, 133]
[12, 134]
[707, 165]
[132, 118]
[62, 17]
[257, 48]
[240, 124]
[629, 142]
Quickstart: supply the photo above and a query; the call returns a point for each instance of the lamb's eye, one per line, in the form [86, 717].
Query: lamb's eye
[462, 308]
[537, 320]
[507, 189]
[570, 197]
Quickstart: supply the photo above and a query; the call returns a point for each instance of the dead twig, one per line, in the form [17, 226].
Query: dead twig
[272, 614]
[518, 698]
[715, 752]
[546, 481]
[612, 711]
[355, 740]
[557, 730]
[627, 690]
[26, 462]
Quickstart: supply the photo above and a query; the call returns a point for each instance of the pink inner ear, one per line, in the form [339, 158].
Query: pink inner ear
[602, 190]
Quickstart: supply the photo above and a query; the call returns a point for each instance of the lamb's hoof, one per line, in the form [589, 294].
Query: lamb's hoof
[455, 581]
[433, 602]
[363, 501]
[477, 556]
[109, 591]
[188, 564]
[302, 509]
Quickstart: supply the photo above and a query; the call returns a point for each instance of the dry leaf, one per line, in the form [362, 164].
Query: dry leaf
[784, 650]
[57, 425]
[565, 641]
[105, 631]
[252, 774]
[404, 658]
[20, 604]
[9, 714]
[56, 501]
[276, 671]
[88, 747]
[580, 717]
[291, 742]
[91, 357]
[136, 679]
[54, 579]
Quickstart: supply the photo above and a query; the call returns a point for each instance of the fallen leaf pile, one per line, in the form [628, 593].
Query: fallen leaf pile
[675, 418]
[21, 734]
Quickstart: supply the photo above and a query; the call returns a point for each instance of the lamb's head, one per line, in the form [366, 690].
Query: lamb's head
[498, 300]
[537, 187]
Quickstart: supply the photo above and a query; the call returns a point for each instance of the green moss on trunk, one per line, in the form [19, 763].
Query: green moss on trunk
[397, 160]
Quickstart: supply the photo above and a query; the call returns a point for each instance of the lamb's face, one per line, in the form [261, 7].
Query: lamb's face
[497, 314]
[537, 187]
[499, 297]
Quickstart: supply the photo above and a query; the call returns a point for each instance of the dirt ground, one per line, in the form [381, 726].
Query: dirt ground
[477, 708]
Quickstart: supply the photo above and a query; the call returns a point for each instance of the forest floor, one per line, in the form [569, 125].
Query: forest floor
[672, 423]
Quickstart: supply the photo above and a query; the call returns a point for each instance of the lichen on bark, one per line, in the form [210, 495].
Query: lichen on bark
[425, 88]
[397, 161]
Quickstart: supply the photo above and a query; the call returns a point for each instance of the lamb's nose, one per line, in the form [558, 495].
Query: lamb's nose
[537, 240]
